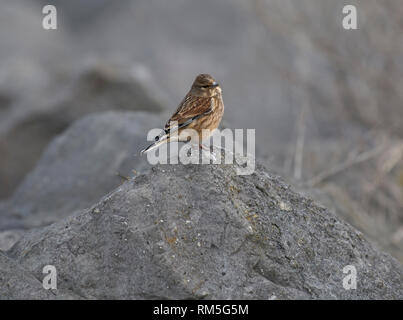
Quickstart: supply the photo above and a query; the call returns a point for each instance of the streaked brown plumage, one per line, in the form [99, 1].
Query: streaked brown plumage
[202, 108]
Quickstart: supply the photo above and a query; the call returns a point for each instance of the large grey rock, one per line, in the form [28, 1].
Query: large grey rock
[18, 283]
[202, 231]
[81, 165]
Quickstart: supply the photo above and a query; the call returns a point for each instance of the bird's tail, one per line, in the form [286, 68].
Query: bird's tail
[153, 146]
[161, 140]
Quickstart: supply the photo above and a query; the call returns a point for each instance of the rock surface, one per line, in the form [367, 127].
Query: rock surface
[202, 231]
[9, 237]
[17, 283]
[87, 161]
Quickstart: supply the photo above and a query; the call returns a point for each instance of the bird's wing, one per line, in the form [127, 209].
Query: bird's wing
[190, 109]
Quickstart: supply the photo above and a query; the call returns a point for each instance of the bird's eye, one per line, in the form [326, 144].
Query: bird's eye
[206, 86]
[157, 138]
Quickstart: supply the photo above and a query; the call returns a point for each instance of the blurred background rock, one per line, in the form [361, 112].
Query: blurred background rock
[326, 103]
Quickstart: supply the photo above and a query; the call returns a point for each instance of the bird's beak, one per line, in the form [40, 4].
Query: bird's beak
[215, 84]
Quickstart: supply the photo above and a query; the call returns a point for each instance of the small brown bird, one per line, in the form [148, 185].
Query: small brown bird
[202, 108]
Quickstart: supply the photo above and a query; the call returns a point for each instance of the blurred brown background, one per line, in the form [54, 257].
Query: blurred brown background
[326, 103]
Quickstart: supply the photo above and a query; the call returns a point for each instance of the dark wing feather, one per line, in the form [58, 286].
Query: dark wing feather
[190, 108]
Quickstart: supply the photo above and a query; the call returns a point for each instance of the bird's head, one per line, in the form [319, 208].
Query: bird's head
[205, 86]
